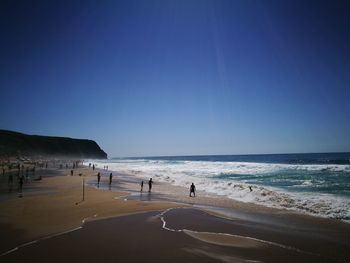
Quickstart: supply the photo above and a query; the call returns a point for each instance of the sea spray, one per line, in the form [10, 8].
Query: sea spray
[315, 184]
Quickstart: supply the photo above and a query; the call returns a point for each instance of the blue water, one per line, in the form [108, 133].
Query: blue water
[316, 183]
[331, 173]
[291, 158]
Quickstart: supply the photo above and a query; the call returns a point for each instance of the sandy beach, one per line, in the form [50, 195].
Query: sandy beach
[51, 222]
[175, 131]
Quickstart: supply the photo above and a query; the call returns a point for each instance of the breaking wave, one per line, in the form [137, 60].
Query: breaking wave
[318, 189]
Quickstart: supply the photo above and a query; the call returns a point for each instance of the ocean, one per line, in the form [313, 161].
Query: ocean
[317, 183]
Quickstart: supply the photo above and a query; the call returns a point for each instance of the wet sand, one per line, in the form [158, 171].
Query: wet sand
[141, 238]
[116, 225]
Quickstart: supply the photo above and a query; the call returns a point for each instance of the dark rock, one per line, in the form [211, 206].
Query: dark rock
[15, 143]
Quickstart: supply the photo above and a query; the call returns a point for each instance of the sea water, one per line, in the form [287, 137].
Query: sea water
[317, 184]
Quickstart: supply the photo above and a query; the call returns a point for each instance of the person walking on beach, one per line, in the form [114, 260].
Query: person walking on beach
[93, 167]
[150, 182]
[141, 185]
[110, 179]
[98, 178]
[20, 184]
[192, 190]
[10, 182]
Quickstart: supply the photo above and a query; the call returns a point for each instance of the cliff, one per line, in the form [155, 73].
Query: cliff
[15, 143]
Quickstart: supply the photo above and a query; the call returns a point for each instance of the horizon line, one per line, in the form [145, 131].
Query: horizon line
[246, 154]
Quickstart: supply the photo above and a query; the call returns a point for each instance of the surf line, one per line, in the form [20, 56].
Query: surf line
[187, 231]
[161, 216]
[47, 237]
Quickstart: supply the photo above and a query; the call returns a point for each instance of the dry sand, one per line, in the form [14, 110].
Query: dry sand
[42, 213]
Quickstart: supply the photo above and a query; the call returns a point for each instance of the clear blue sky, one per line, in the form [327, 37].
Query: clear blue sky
[146, 78]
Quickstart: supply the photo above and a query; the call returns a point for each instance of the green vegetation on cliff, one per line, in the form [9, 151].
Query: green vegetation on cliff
[15, 143]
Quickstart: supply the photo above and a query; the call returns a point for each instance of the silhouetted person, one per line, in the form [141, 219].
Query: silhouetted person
[71, 172]
[10, 182]
[150, 182]
[98, 178]
[192, 190]
[110, 178]
[93, 167]
[10, 178]
[141, 186]
[20, 184]
[250, 188]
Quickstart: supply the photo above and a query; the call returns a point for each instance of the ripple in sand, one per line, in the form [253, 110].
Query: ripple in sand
[224, 239]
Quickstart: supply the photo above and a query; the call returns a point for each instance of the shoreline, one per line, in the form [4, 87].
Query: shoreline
[304, 188]
[164, 191]
[21, 225]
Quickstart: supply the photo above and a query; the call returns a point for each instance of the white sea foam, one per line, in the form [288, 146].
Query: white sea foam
[204, 174]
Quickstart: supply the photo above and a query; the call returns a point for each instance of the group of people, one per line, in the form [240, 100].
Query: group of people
[22, 175]
[20, 182]
[150, 182]
[99, 178]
